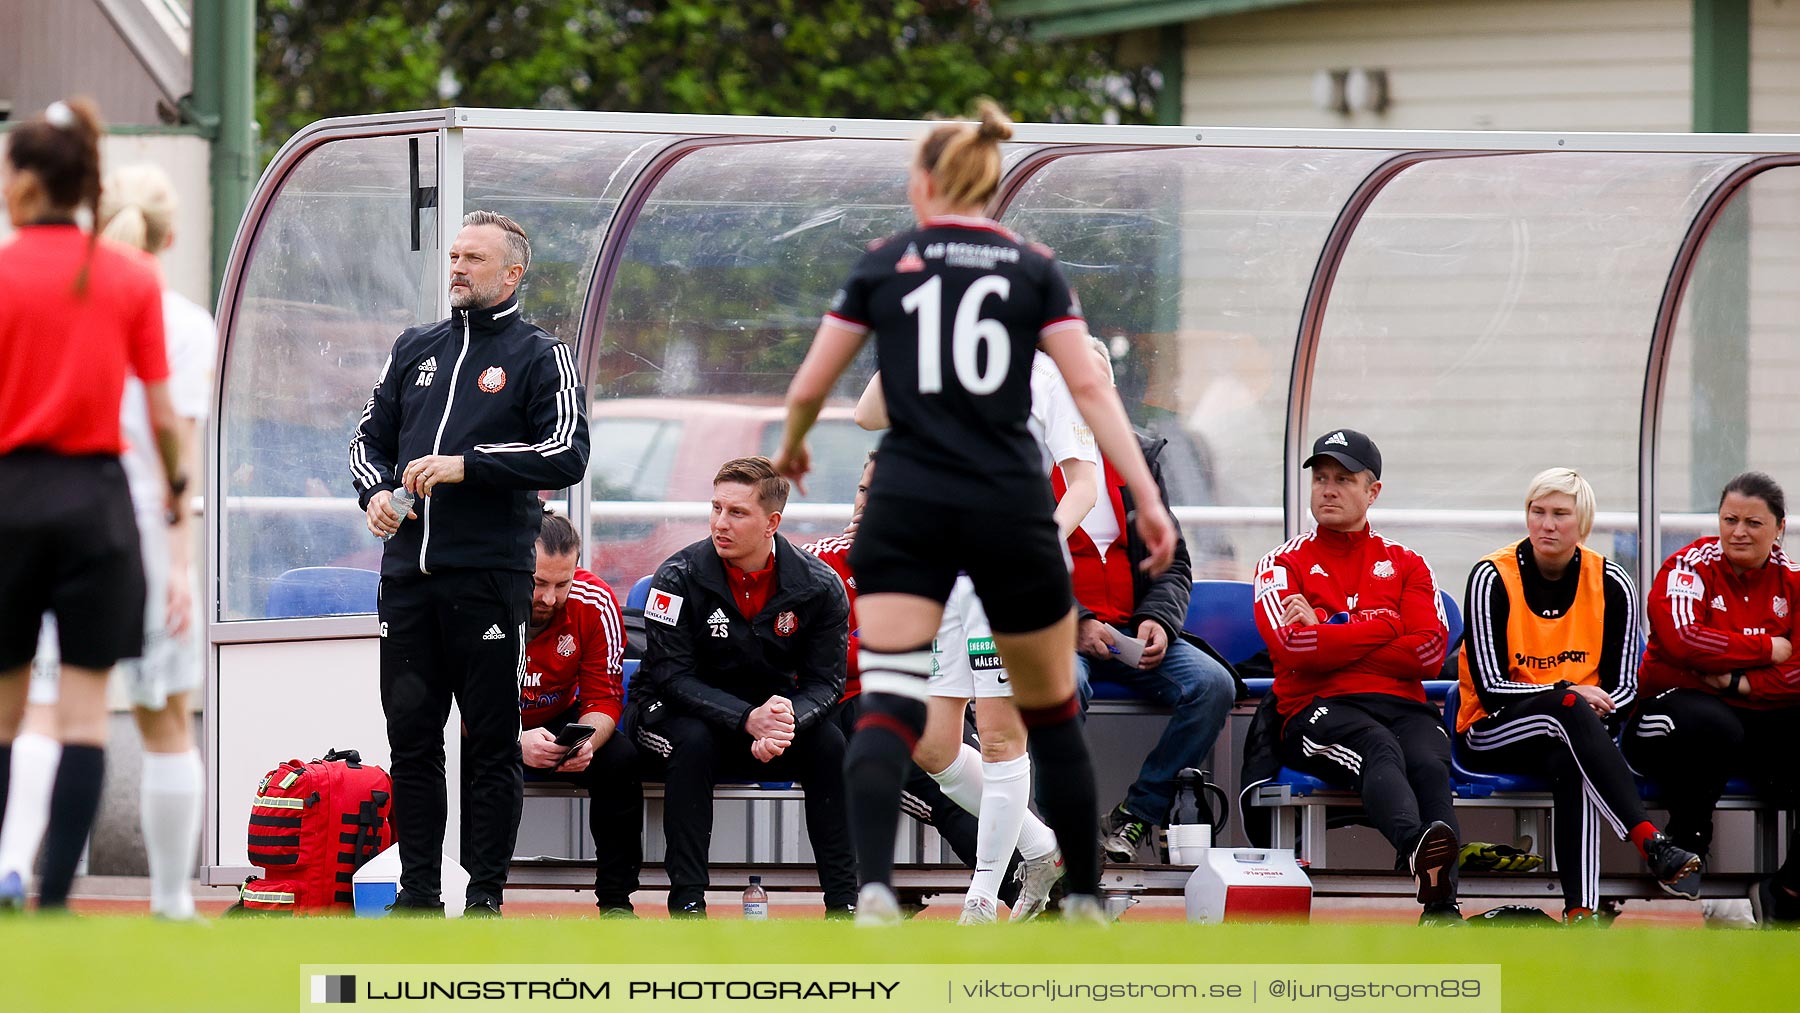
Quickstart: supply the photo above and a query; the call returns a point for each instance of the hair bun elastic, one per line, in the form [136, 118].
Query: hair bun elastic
[59, 115]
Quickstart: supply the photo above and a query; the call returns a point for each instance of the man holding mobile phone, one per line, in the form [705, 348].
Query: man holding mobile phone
[570, 695]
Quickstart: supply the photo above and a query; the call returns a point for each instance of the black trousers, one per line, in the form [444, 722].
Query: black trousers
[454, 634]
[615, 791]
[691, 756]
[1551, 735]
[1393, 751]
[1692, 742]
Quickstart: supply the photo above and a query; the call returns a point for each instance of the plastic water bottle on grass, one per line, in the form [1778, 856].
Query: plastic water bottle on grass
[756, 901]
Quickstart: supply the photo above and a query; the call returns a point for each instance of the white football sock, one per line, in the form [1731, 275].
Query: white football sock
[961, 780]
[169, 810]
[1005, 802]
[34, 760]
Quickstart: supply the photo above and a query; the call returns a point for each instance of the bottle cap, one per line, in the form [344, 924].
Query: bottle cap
[755, 880]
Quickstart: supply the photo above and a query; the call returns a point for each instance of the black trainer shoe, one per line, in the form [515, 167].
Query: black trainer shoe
[1446, 915]
[618, 914]
[405, 905]
[482, 909]
[1433, 861]
[1774, 907]
[1677, 870]
[695, 909]
[1122, 835]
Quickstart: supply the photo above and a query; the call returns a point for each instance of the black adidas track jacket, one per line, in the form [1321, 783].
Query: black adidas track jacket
[502, 393]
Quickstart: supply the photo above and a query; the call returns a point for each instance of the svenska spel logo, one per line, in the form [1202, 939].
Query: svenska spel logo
[333, 988]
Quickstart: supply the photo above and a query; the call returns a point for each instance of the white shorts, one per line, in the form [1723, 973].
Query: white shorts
[169, 665]
[964, 664]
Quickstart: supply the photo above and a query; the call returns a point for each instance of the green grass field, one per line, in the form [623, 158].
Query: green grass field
[116, 963]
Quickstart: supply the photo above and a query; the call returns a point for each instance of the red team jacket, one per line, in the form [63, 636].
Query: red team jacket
[835, 553]
[1395, 636]
[1706, 619]
[577, 658]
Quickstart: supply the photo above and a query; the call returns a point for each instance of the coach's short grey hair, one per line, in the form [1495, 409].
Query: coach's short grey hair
[518, 245]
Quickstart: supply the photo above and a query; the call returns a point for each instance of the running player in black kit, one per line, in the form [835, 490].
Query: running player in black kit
[958, 306]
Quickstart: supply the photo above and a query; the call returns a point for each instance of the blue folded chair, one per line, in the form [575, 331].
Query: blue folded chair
[323, 591]
[1473, 783]
[640, 594]
[1218, 613]
[1453, 619]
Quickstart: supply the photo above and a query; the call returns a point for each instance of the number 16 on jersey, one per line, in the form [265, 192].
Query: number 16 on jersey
[970, 333]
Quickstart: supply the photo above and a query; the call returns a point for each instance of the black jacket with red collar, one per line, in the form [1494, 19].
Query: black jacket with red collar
[503, 394]
[704, 658]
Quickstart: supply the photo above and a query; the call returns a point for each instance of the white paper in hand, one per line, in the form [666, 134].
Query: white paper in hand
[1131, 649]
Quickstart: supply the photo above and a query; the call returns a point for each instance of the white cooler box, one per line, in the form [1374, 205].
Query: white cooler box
[1248, 885]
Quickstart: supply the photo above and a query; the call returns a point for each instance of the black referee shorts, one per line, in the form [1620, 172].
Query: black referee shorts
[69, 545]
[1019, 567]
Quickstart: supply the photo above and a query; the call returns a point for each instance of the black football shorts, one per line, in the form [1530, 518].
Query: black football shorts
[1019, 567]
[69, 545]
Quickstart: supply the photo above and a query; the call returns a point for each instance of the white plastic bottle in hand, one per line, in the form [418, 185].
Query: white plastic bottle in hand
[401, 505]
[756, 901]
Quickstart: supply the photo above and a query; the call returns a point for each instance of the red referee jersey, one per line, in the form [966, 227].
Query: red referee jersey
[835, 553]
[1395, 636]
[63, 353]
[578, 658]
[1705, 618]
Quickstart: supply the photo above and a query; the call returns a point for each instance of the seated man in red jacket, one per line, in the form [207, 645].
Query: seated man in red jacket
[573, 676]
[1354, 626]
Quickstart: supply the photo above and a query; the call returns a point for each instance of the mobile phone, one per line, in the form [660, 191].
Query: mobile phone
[574, 735]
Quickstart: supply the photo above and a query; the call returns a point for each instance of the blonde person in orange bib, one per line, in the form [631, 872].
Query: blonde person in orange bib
[1549, 666]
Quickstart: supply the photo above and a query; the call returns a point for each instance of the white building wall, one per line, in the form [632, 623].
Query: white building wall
[1775, 66]
[58, 48]
[1451, 64]
[187, 266]
[1523, 65]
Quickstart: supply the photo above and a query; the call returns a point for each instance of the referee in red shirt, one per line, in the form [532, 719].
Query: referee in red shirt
[71, 538]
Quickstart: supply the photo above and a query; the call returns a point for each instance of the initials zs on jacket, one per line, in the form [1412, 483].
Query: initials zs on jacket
[1394, 639]
[502, 393]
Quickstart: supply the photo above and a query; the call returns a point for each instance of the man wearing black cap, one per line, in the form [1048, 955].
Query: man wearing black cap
[1354, 627]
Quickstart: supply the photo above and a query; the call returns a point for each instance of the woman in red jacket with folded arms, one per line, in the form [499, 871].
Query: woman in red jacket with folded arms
[1720, 689]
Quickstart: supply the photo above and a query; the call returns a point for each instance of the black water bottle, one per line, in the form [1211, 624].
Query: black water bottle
[1190, 806]
[1190, 824]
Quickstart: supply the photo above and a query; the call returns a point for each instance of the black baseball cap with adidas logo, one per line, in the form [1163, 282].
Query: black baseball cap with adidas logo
[1349, 448]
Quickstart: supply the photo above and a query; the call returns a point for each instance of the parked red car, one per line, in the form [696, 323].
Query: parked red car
[653, 461]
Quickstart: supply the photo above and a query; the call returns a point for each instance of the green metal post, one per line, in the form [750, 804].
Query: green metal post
[223, 104]
[1722, 66]
[1719, 290]
[1171, 43]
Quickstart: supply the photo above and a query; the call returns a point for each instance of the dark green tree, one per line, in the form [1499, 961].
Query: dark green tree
[903, 59]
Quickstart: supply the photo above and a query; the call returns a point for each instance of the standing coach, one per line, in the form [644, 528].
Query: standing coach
[472, 415]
